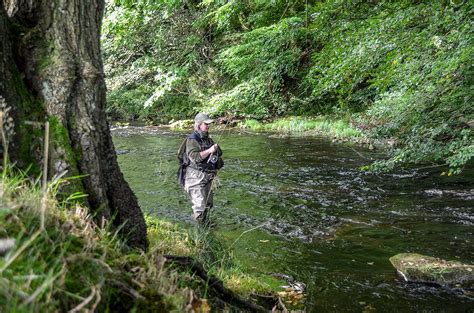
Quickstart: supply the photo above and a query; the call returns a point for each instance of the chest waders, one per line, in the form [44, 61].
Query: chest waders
[197, 178]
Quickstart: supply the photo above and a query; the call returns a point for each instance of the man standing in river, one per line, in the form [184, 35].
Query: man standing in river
[204, 157]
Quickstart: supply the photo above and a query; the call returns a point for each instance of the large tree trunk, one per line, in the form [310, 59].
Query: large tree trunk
[51, 69]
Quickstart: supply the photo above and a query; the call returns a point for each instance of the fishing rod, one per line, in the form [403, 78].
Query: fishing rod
[223, 131]
[213, 158]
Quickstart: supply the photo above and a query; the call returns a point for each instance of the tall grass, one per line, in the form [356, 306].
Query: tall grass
[73, 264]
[168, 238]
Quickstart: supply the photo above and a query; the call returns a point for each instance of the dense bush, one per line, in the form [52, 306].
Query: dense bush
[400, 70]
[154, 59]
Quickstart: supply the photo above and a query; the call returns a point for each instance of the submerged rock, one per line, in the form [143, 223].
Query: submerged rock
[119, 151]
[415, 267]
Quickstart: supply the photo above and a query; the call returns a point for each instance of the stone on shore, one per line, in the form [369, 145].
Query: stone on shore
[415, 267]
[181, 124]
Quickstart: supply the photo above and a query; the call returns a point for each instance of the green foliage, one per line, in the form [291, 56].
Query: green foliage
[252, 124]
[149, 50]
[401, 69]
[426, 101]
[262, 58]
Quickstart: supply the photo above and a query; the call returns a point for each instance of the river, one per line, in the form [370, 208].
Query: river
[301, 206]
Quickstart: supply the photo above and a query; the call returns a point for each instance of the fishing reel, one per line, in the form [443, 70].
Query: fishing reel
[213, 159]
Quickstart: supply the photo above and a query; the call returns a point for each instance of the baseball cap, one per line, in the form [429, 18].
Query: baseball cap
[203, 118]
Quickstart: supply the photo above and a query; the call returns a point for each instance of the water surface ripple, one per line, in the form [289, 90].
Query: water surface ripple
[316, 216]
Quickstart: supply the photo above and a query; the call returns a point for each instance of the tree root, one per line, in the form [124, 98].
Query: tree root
[214, 283]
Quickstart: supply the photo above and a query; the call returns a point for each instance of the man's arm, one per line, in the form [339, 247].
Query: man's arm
[194, 151]
[204, 154]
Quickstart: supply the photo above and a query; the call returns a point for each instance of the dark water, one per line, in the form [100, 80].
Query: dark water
[316, 217]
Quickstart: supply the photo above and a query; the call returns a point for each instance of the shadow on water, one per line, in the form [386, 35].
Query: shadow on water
[315, 216]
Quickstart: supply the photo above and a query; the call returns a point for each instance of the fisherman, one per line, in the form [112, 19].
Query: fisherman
[204, 157]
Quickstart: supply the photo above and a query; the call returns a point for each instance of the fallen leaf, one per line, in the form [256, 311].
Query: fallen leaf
[201, 306]
[282, 294]
[299, 296]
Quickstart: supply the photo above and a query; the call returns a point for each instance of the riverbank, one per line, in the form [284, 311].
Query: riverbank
[335, 128]
[73, 264]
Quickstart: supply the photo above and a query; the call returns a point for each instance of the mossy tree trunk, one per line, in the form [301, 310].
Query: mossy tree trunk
[51, 69]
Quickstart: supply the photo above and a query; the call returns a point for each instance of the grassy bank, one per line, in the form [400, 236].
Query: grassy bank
[72, 264]
[331, 127]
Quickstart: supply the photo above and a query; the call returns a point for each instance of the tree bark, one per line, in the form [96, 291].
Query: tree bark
[52, 69]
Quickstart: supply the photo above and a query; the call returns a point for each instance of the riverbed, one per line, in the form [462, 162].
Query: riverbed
[301, 206]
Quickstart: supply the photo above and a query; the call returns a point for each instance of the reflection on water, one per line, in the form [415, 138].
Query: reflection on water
[315, 216]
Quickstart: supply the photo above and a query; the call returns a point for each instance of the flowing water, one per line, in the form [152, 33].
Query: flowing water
[301, 206]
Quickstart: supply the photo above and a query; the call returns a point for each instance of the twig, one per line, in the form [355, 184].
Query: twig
[280, 303]
[5, 146]
[86, 301]
[97, 300]
[45, 155]
[430, 166]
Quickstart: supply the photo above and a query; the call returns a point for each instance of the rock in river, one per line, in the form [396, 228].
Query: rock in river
[415, 267]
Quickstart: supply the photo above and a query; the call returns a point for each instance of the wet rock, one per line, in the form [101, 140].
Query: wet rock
[119, 151]
[295, 285]
[415, 267]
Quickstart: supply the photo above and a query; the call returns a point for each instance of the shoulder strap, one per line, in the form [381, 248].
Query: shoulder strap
[182, 146]
[195, 136]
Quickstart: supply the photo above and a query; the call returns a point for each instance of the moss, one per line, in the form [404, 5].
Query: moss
[155, 302]
[27, 109]
[420, 268]
[59, 138]
[48, 56]
[252, 124]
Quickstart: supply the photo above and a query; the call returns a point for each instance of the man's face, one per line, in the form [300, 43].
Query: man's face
[204, 127]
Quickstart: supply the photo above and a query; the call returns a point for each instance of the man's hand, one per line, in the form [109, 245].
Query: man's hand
[213, 149]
